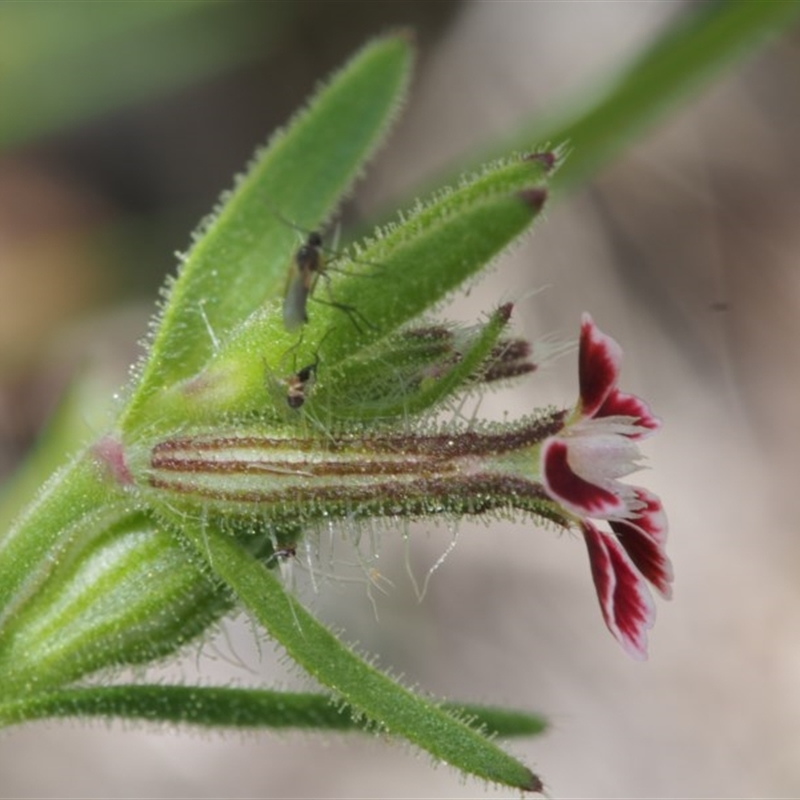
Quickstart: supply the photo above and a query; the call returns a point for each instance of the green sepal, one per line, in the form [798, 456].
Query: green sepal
[409, 376]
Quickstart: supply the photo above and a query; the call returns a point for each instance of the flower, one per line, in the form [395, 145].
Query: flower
[581, 467]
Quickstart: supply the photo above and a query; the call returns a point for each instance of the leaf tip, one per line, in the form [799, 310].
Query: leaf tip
[547, 159]
[504, 313]
[405, 34]
[534, 784]
[534, 198]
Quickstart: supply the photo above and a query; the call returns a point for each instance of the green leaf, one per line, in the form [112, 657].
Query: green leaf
[231, 707]
[240, 257]
[433, 251]
[364, 688]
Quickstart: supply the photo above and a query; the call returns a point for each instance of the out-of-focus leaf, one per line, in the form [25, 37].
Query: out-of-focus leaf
[62, 63]
[598, 124]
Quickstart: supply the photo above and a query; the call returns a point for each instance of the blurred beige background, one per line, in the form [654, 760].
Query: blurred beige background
[686, 250]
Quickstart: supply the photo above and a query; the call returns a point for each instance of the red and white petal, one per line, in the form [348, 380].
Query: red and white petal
[619, 404]
[625, 601]
[647, 554]
[650, 517]
[599, 361]
[566, 487]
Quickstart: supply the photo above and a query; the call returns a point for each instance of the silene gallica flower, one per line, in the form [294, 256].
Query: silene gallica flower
[581, 466]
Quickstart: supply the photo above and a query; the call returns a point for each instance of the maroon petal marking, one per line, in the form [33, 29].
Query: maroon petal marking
[629, 405]
[572, 491]
[647, 554]
[599, 360]
[625, 602]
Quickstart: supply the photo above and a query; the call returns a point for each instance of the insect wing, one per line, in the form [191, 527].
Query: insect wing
[294, 301]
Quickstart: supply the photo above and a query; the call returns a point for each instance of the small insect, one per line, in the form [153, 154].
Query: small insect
[308, 265]
[284, 558]
[285, 553]
[296, 385]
